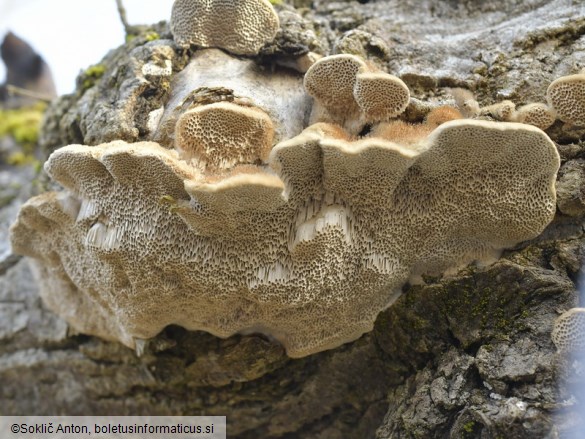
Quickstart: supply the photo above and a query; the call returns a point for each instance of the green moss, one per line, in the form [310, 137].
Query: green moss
[275, 2]
[419, 323]
[91, 75]
[38, 167]
[468, 427]
[5, 200]
[95, 71]
[169, 202]
[23, 126]
[482, 308]
[152, 36]
[20, 159]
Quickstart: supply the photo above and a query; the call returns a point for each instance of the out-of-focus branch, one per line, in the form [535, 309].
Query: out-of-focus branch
[122, 13]
[14, 90]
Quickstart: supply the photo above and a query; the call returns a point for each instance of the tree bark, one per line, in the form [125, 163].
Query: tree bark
[463, 356]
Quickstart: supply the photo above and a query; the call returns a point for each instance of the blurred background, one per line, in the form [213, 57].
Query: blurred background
[44, 45]
[71, 35]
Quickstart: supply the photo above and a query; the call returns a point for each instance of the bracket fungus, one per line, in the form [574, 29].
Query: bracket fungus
[380, 96]
[409, 134]
[279, 94]
[222, 135]
[241, 27]
[567, 96]
[569, 330]
[537, 114]
[331, 81]
[308, 249]
[348, 92]
[503, 111]
[466, 102]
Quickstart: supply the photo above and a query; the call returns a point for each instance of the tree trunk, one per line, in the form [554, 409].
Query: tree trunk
[463, 356]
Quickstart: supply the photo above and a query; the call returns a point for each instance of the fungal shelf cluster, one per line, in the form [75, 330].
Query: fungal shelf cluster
[266, 210]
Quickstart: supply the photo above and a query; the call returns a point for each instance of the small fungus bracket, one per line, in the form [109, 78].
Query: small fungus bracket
[240, 27]
[567, 96]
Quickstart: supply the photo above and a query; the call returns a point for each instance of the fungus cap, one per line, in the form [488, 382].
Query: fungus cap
[567, 96]
[398, 131]
[569, 330]
[279, 93]
[439, 115]
[537, 114]
[241, 27]
[331, 81]
[351, 93]
[223, 134]
[466, 101]
[502, 111]
[380, 96]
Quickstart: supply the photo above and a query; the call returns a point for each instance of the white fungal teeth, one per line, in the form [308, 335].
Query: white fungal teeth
[277, 273]
[87, 210]
[333, 216]
[140, 346]
[70, 204]
[103, 237]
[383, 264]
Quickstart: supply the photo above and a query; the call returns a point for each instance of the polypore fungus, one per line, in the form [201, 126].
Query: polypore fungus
[238, 26]
[567, 96]
[380, 96]
[349, 92]
[405, 133]
[440, 115]
[223, 134]
[214, 76]
[331, 81]
[503, 111]
[569, 331]
[466, 101]
[538, 115]
[308, 251]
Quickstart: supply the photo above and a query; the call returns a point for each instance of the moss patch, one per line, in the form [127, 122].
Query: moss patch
[23, 125]
[90, 76]
[21, 159]
[152, 36]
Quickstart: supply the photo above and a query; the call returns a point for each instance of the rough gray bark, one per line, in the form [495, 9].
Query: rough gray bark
[467, 356]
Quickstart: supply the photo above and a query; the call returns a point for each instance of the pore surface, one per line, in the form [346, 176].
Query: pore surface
[309, 251]
[280, 94]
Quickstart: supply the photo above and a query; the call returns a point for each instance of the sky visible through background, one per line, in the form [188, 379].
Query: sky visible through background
[71, 35]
